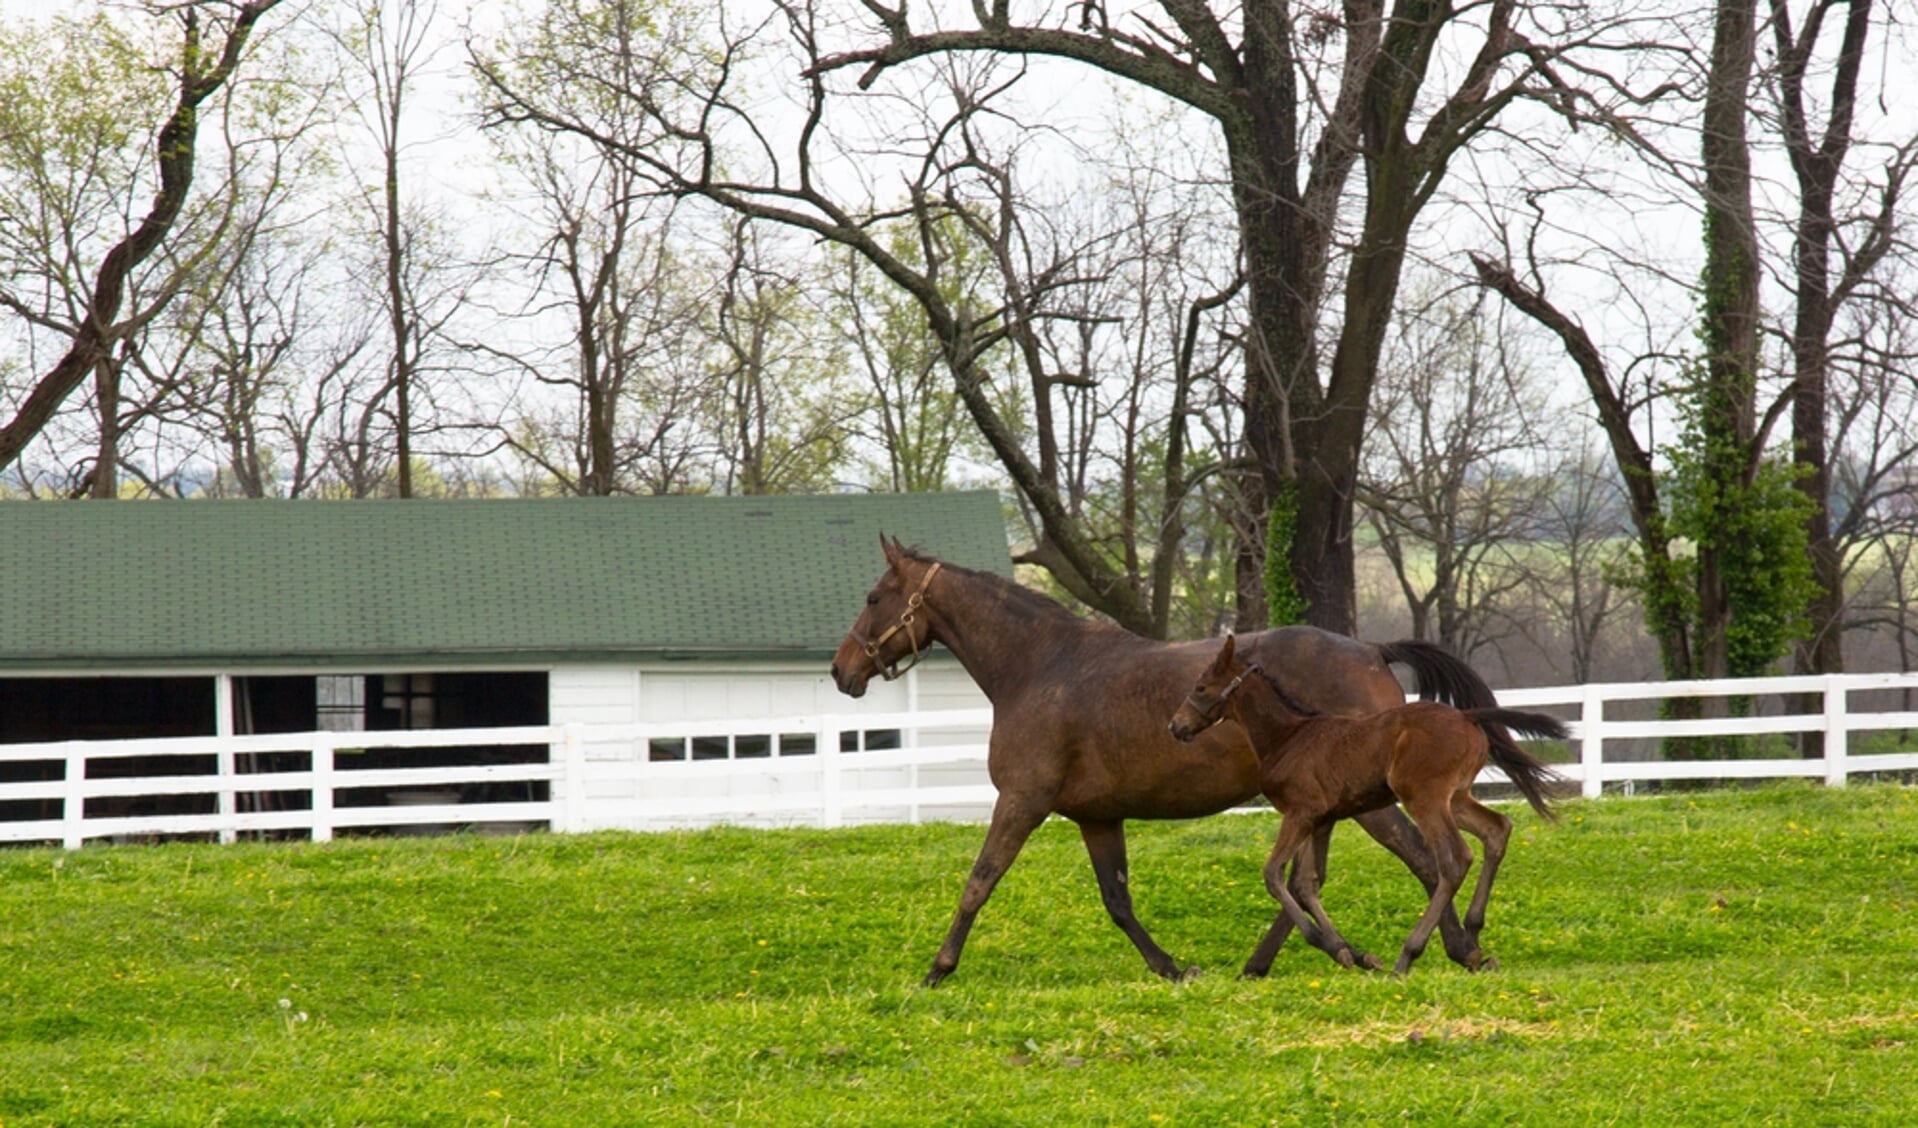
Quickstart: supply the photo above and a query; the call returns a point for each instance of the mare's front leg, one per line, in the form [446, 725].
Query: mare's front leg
[1396, 833]
[1013, 821]
[1105, 844]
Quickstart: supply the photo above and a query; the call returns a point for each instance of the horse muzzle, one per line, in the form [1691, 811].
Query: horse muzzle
[851, 682]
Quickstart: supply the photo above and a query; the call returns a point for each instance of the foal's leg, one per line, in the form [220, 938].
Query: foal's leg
[1453, 859]
[1105, 843]
[1314, 925]
[1396, 833]
[1340, 948]
[1307, 865]
[1494, 831]
[1013, 821]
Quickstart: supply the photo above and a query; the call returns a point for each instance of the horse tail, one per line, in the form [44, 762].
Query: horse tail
[1441, 675]
[1528, 773]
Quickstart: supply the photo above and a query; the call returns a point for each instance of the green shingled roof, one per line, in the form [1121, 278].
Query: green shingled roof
[87, 584]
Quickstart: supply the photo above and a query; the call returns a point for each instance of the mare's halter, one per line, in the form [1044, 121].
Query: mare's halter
[1212, 716]
[913, 603]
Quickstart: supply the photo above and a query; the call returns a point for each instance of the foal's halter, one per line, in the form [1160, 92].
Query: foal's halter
[1212, 716]
[913, 603]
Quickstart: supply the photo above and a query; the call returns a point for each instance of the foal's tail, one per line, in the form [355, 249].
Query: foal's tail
[1441, 675]
[1528, 773]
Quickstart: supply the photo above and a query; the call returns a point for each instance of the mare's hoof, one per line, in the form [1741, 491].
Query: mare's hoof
[1250, 972]
[934, 976]
[1345, 958]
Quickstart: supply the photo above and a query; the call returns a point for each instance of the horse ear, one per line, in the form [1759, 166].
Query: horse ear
[891, 549]
[1229, 649]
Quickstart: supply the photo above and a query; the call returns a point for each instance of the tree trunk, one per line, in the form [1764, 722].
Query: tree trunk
[104, 483]
[1815, 166]
[1727, 417]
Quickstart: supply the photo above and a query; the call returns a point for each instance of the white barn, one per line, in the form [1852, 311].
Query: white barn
[680, 640]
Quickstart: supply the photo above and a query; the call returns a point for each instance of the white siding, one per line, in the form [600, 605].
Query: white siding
[777, 692]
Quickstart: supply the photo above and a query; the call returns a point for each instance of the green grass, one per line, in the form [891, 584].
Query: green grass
[1702, 958]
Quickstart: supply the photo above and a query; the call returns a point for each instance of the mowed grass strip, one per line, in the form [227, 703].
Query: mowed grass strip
[1713, 957]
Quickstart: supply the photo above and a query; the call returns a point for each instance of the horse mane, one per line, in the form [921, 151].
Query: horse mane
[1018, 598]
[1287, 699]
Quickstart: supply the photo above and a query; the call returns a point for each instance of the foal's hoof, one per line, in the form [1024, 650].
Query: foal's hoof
[1188, 975]
[1479, 961]
[1352, 957]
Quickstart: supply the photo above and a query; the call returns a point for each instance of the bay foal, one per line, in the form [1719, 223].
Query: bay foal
[1318, 769]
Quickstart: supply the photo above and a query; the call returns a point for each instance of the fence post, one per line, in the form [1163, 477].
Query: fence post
[1591, 743]
[323, 755]
[226, 765]
[1837, 754]
[572, 757]
[73, 806]
[832, 811]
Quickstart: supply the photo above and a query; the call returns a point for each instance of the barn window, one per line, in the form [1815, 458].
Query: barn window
[869, 740]
[339, 703]
[408, 701]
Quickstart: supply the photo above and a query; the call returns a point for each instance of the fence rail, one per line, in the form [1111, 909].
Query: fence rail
[582, 777]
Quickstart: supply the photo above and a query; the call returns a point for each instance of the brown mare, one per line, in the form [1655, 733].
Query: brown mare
[1318, 769]
[1079, 710]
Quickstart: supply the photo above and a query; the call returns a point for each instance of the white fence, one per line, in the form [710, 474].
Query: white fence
[573, 782]
[585, 786]
[1596, 731]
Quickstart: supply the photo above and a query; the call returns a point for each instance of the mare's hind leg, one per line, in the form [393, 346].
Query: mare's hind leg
[1494, 831]
[1312, 923]
[1453, 859]
[1013, 821]
[1105, 843]
[1396, 833]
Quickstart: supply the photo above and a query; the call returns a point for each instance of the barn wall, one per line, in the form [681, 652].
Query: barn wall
[774, 691]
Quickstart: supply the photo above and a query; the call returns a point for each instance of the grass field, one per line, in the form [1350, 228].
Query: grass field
[1712, 958]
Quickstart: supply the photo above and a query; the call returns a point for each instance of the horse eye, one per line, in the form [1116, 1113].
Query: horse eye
[872, 600]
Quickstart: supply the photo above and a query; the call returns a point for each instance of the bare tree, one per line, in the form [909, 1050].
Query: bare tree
[908, 420]
[1817, 152]
[1586, 534]
[1452, 488]
[392, 46]
[213, 38]
[610, 267]
[1369, 106]
[784, 409]
[1730, 599]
